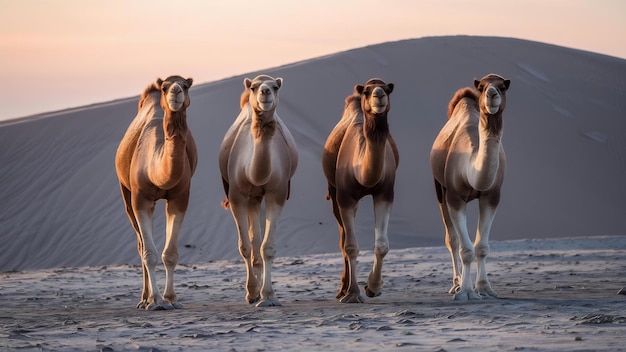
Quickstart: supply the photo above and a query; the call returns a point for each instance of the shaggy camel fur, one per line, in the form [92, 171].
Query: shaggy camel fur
[155, 160]
[467, 161]
[360, 158]
[257, 159]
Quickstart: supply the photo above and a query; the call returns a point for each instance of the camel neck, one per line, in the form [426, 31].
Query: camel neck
[263, 129]
[376, 128]
[491, 124]
[486, 161]
[175, 124]
[263, 124]
[372, 154]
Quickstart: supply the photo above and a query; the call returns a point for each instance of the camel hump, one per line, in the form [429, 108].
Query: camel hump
[461, 94]
[353, 103]
[153, 87]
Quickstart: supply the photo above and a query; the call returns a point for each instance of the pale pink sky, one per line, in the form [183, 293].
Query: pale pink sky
[68, 53]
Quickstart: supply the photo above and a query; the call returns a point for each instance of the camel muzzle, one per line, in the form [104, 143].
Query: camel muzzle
[493, 100]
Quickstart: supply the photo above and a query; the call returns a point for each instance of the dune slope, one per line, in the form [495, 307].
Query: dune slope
[563, 134]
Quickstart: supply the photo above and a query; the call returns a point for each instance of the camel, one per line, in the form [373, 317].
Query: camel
[257, 159]
[155, 160]
[360, 158]
[467, 161]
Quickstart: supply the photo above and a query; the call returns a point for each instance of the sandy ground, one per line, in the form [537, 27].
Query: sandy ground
[555, 295]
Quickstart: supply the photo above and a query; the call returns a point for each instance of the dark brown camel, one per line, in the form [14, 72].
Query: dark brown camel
[360, 158]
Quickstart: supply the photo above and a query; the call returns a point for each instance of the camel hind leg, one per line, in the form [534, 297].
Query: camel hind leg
[126, 196]
[343, 288]
[452, 241]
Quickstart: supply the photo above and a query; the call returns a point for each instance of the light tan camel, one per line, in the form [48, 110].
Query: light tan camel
[155, 160]
[257, 159]
[360, 158]
[467, 161]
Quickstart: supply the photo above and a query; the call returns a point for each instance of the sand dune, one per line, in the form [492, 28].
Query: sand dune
[563, 134]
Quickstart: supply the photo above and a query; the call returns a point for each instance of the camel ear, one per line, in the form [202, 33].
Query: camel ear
[359, 89]
[476, 83]
[158, 83]
[507, 83]
[390, 88]
[279, 82]
[189, 81]
[247, 82]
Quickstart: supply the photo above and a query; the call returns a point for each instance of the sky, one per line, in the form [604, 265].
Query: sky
[58, 54]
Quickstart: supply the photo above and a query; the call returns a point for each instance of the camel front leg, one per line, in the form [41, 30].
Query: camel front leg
[128, 206]
[175, 213]
[487, 213]
[350, 252]
[149, 256]
[382, 210]
[239, 209]
[458, 218]
[273, 210]
[254, 233]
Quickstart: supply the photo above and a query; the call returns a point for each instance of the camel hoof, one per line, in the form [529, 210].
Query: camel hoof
[371, 293]
[467, 296]
[270, 302]
[154, 306]
[454, 289]
[166, 306]
[352, 299]
[252, 300]
[340, 294]
[175, 305]
[487, 292]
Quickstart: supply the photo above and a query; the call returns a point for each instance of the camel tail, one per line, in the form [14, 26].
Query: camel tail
[461, 94]
[225, 202]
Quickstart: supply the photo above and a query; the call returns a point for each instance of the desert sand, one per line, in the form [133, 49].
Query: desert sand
[555, 295]
[69, 266]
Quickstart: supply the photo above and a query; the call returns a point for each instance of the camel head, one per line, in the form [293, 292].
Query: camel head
[492, 90]
[374, 96]
[174, 93]
[261, 93]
